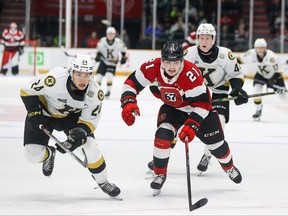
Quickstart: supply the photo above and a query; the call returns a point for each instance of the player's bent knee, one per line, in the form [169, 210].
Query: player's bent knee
[34, 153]
[91, 150]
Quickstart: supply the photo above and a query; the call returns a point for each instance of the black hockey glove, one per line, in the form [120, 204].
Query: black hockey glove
[98, 57]
[241, 94]
[35, 118]
[77, 137]
[20, 50]
[123, 60]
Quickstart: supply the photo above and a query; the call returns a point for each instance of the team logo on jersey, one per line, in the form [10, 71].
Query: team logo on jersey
[50, 81]
[100, 95]
[230, 55]
[272, 60]
[171, 96]
[162, 117]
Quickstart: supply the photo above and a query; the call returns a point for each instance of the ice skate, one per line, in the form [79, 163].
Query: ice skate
[48, 164]
[203, 164]
[151, 165]
[157, 184]
[111, 189]
[234, 174]
[150, 171]
[257, 115]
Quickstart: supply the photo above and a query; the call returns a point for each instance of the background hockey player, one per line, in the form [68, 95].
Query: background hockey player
[13, 41]
[186, 102]
[109, 49]
[68, 101]
[190, 40]
[267, 72]
[220, 71]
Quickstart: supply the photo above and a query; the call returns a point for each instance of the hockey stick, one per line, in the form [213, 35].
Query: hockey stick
[200, 202]
[83, 163]
[250, 96]
[66, 53]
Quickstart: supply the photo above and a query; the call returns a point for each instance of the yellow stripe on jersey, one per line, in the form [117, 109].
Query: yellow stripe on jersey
[24, 94]
[96, 164]
[88, 124]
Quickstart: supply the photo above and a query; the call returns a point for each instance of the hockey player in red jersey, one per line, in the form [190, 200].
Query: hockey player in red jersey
[186, 107]
[13, 42]
[190, 40]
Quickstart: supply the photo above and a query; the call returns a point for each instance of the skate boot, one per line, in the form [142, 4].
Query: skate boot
[111, 189]
[48, 164]
[257, 115]
[203, 164]
[107, 95]
[151, 165]
[234, 174]
[158, 183]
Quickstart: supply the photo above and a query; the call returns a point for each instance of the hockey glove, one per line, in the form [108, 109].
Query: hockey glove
[20, 50]
[77, 137]
[36, 118]
[129, 109]
[98, 57]
[242, 96]
[189, 130]
[123, 60]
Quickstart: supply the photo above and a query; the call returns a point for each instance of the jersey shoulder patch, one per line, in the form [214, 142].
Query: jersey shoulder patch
[100, 95]
[50, 81]
[230, 55]
[272, 60]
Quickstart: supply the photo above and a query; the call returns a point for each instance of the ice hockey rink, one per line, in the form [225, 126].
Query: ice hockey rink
[259, 150]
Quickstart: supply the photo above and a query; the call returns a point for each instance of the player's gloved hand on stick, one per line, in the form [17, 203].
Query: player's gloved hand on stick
[189, 130]
[77, 137]
[20, 50]
[123, 60]
[36, 118]
[242, 96]
[98, 57]
[129, 109]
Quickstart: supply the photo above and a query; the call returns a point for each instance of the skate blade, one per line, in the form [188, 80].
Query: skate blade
[256, 119]
[200, 173]
[119, 198]
[156, 192]
[150, 172]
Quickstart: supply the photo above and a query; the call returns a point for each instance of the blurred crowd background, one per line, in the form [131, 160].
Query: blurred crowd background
[234, 26]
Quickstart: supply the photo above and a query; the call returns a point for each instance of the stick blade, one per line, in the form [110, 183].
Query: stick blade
[198, 204]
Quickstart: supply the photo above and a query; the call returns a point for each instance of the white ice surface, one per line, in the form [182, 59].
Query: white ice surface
[259, 150]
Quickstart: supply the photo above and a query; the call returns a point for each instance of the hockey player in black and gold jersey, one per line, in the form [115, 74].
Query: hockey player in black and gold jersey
[109, 50]
[69, 101]
[267, 72]
[221, 73]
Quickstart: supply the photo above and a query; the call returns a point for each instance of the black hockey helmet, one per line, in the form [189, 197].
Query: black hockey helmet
[172, 51]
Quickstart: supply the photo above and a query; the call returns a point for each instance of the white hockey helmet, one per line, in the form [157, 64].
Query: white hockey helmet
[260, 42]
[206, 28]
[82, 63]
[110, 30]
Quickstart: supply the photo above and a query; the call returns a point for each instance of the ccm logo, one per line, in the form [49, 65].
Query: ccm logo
[211, 134]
